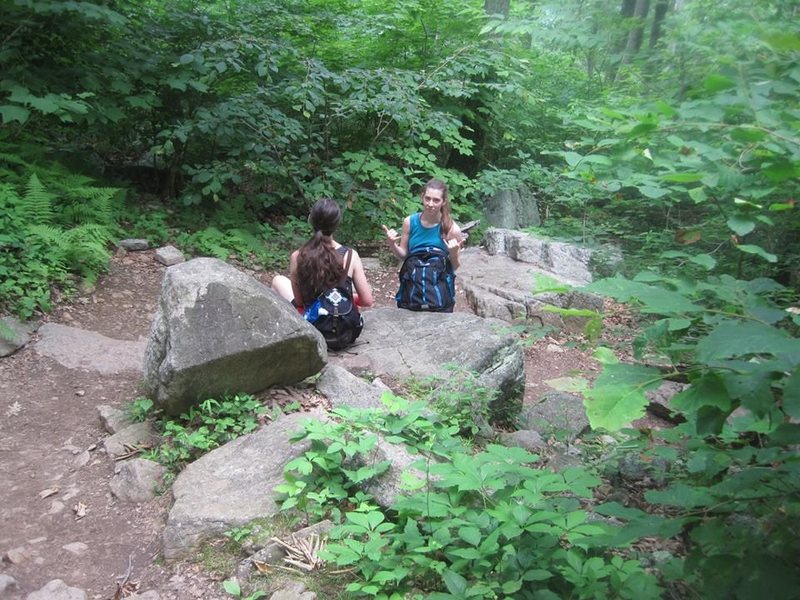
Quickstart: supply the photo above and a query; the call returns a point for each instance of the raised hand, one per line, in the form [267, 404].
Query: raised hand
[391, 234]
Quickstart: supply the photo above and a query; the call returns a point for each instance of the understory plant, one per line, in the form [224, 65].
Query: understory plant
[47, 236]
[733, 487]
[486, 524]
[204, 427]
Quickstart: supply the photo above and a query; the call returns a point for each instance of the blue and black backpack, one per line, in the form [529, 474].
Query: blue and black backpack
[427, 282]
[335, 314]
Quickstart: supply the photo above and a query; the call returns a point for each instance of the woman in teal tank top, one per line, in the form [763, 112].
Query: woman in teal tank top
[433, 226]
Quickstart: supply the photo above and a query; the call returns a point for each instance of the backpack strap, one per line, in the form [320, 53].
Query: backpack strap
[347, 259]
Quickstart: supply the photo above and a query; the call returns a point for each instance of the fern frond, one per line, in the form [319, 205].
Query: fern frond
[36, 205]
[46, 235]
[241, 239]
[89, 233]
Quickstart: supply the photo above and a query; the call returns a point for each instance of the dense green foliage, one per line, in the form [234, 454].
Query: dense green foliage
[670, 128]
[473, 525]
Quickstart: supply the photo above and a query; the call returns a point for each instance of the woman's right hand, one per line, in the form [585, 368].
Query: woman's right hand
[391, 235]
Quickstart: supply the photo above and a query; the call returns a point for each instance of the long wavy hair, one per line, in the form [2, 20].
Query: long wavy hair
[447, 220]
[319, 266]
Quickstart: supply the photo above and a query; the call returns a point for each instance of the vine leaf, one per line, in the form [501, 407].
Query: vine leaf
[735, 338]
[617, 397]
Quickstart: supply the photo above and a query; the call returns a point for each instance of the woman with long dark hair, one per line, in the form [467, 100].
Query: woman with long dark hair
[322, 262]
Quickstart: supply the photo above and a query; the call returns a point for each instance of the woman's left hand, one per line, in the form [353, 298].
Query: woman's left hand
[453, 246]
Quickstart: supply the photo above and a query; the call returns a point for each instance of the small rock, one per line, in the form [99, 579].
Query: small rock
[554, 348]
[524, 438]
[16, 556]
[55, 507]
[137, 480]
[57, 590]
[169, 255]
[20, 334]
[80, 393]
[134, 245]
[7, 583]
[138, 435]
[113, 419]
[151, 595]
[294, 590]
[81, 460]
[76, 548]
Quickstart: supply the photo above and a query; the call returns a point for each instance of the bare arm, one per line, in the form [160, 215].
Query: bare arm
[398, 244]
[298, 297]
[454, 241]
[360, 282]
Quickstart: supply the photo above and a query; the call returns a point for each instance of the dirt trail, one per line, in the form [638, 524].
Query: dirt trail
[52, 467]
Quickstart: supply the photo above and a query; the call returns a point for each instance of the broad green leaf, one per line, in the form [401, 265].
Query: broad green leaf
[186, 59]
[791, 395]
[782, 171]
[232, 587]
[747, 134]
[652, 192]
[708, 390]
[597, 159]
[471, 535]
[759, 251]
[680, 495]
[781, 206]
[683, 177]
[47, 105]
[654, 299]
[706, 261]
[605, 355]
[618, 395]
[716, 83]
[11, 113]
[572, 158]
[743, 338]
[698, 194]
[455, 583]
[678, 324]
[741, 225]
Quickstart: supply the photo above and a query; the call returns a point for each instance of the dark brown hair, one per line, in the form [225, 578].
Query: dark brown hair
[447, 220]
[319, 266]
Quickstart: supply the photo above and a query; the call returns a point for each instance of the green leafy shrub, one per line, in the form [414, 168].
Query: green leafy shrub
[205, 427]
[477, 525]
[45, 237]
[734, 489]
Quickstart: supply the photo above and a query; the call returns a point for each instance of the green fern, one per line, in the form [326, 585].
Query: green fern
[36, 206]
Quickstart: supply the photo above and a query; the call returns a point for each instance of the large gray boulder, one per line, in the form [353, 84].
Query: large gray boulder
[513, 209]
[232, 485]
[217, 330]
[402, 344]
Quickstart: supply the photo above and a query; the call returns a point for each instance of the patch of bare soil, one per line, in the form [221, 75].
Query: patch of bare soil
[59, 519]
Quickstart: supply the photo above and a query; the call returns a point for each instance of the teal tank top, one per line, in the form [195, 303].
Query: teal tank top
[421, 237]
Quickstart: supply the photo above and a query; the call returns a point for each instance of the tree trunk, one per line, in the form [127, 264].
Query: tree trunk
[496, 7]
[658, 17]
[636, 34]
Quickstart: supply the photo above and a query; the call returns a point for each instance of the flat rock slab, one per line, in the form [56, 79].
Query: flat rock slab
[231, 485]
[501, 287]
[403, 344]
[80, 349]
